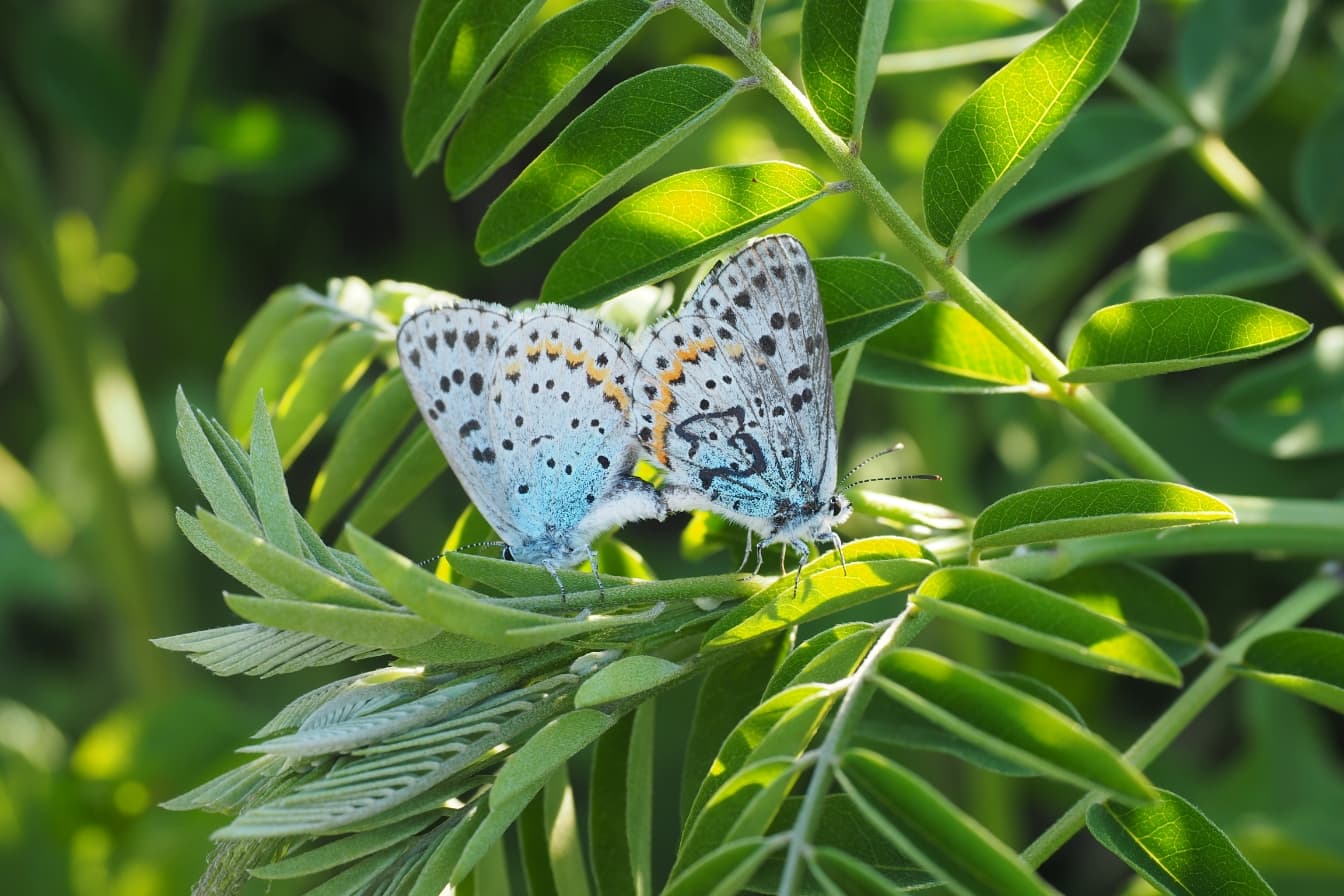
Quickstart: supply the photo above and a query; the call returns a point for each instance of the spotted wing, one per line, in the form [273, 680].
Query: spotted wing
[735, 391]
[449, 356]
[561, 412]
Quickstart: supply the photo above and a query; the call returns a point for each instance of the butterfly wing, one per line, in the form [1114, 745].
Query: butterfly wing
[736, 393]
[560, 407]
[449, 355]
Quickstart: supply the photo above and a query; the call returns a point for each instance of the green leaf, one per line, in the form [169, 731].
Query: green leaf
[728, 695]
[1034, 617]
[926, 825]
[675, 223]
[1055, 512]
[725, 871]
[429, 18]
[540, 78]
[451, 608]
[1175, 847]
[323, 382]
[280, 364]
[268, 478]
[742, 806]
[862, 297]
[844, 875]
[1180, 333]
[254, 342]
[208, 469]
[443, 856]
[746, 11]
[1143, 600]
[996, 135]
[474, 38]
[1003, 720]
[625, 131]
[1291, 408]
[1231, 52]
[846, 370]
[1319, 190]
[941, 348]
[526, 579]
[383, 629]
[827, 657]
[841, 43]
[875, 567]
[620, 833]
[628, 676]
[549, 835]
[898, 728]
[526, 770]
[1102, 143]
[1305, 662]
[405, 476]
[341, 851]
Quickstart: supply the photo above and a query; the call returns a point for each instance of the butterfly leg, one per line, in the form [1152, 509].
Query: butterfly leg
[550, 568]
[804, 554]
[592, 561]
[746, 554]
[840, 550]
[760, 557]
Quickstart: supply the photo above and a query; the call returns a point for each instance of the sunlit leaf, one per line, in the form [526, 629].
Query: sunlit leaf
[1181, 333]
[1231, 52]
[429, 18]
[1305, 662]
[252, 649]
[417, 462]
[534, 761]
[861, 297]
[542, 76]
[926, 825]
[1003, 720]
[278, 366]
[1319, 192]
[621, 134]
[1175, 847]
[626, 677]
[1052, 512]
[208, 469]
[1102, 143]
[1293, 407]
[1143, 600]
[741, 806]
[829, 656]
[841, 43]
[943, 349]
[675, 223]
[996, 135]
[474, 38]
[309, 399]
[383, 629]
[1029, 615]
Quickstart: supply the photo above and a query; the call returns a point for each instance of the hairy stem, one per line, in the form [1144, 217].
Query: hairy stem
[1292, 610]
[899, 632]
[1042, 362]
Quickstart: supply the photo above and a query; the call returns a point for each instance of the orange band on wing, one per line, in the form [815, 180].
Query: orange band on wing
[575, 358]
[688, 353]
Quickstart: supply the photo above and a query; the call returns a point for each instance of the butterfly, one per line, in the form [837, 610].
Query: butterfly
[736, 401]
[533, 411]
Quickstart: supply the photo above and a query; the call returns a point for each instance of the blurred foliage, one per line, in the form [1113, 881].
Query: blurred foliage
[165, 166]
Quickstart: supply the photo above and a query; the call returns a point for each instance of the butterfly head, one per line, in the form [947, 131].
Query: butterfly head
[811, 520]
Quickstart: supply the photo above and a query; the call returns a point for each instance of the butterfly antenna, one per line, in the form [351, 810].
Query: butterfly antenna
[930, 477]
[465, 547]
[867, 460]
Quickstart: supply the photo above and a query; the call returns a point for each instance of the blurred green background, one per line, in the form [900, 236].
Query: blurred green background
[164, 166]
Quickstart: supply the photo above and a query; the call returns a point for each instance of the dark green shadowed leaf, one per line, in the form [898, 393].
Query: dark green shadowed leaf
[841, 43]
[1175, 847]
[473, 40]
[675, 223]
[621, 134]
[620, 831]
[1102, 143]
[254, 343]
[405, 476]
[1318, 187]
[540, 78]
[875, 568]
[745, 11]
[864, 296]
[548, 835]
[1034, 617]
[1003, 720]
[278, 365]
[340, 851]
[725, 871]
[1053, 512]
[429, 18]
[941, 348]
[743, 806]
[926, 825]
[1180, 333]
[373, 427]
[843, 875]
[996, 135]
[1231, 53]
[1143, 600]
[1290, 408]
[1305, 662]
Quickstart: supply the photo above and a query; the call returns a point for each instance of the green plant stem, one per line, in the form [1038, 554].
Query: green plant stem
[971, 53]
[142, 175]
[1292, 610]
[1230, 173]
[899, 632]
[1042, 362]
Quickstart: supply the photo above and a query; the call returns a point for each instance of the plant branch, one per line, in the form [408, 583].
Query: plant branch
[1292, 610]
[1228, 170]
[899, 632]
[1043, 363]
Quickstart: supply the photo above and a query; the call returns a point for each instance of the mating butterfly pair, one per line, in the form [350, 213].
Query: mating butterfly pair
[543, 413]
